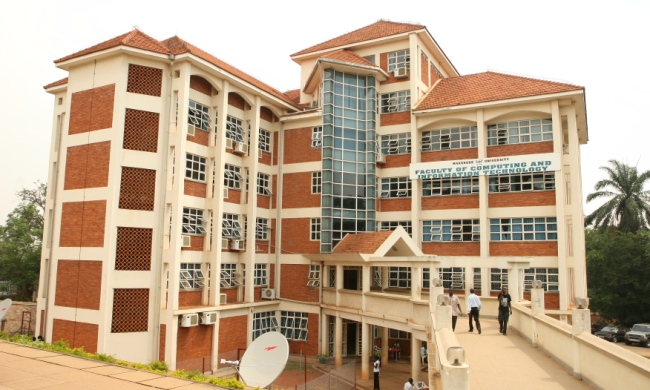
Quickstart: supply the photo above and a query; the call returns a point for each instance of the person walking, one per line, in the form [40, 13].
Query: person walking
[375, 369]
[409, 384]
[473, 309]
[505, 309]
[455, 309]
[423, 353]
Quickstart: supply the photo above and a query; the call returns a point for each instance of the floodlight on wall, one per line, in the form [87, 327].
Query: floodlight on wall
[437, 282]
[537, 284]
[456, 356]
[231, 362]
[443, 300]
[581, 303]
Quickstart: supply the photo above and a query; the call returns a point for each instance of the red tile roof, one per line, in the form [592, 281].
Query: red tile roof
[136, 39]
[365, 243]
[294, 95]
[344, 55]
[487, 87]
[56, 83]
[380, 29]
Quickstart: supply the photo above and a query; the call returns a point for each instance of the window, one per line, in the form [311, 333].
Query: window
[519, 132]
[395, 102]
[317, 137]
[332, 275]
[370, 58]
[234, 129]
[229, 275]
[451, 230]
[293, 325]
[264, 140]
[264, 322]
[523, 229]
[399, 59]
[396, 143]
[316, 183]
[398, 334]
[263, 183]
[193, 221]
[262, 229]
[195, 167]
[314, 229]
[314, 276]
[399, 277]
[191, 276]
[451, 138]
[199, 116]
[498, 278]
[443, 187]
[548, 276]
[231, 226]
[426, 277]
[395, 187]
[260, 277]
[452, 278]
[522, 182]
[392, 225]
[232, 177]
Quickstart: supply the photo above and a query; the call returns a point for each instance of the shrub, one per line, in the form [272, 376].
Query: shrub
[158, 366]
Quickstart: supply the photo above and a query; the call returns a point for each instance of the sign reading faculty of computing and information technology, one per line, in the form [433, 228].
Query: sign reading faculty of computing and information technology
[506, 165]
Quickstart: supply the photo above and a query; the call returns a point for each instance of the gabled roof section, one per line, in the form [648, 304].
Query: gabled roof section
[136, 39]
[380, 29]
[365, 243]
[56, 83]
[294, 95]
[347, 56]
[487, 87]
[342, 60]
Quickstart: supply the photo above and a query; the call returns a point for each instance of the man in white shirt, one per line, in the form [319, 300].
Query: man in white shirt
[455, 309]
[409, 384]
[473, 309]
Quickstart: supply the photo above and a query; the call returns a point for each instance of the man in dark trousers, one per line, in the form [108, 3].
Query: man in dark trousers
[473, 309]
[505, 310]
[375, 369]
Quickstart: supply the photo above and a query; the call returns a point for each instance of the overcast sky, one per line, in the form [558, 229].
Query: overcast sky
[599, 45]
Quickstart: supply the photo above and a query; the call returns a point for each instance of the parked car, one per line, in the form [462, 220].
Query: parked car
[612, 333]
[639, 334]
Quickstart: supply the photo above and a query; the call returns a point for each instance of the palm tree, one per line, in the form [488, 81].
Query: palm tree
[628, 207]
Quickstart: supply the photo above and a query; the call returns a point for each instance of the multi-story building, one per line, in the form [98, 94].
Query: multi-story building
[192, 207]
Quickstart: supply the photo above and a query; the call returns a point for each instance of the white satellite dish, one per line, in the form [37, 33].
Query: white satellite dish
[264, 359]
[4, 308]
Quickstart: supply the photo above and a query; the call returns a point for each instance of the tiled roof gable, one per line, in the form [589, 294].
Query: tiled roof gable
[365, 243]
[136, 39]
[56, 83]
[348, 56]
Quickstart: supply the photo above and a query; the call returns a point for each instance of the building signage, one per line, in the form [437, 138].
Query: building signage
[505, 165]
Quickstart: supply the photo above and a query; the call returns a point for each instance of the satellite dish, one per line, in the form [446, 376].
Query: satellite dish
[264, 359]
[4, 308]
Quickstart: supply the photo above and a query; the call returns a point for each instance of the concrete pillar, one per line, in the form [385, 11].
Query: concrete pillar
[384, 346]
[338, 342]
[416, 283]
[514, 281]
[443, 317]
[581, 322]
[536, 307]
[415, 357]
[366, 334]
[455, 377]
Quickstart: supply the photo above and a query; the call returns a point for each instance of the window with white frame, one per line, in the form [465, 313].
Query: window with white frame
[398, 334]
[314, 276]
[395, 187]
[263, 183]
[314, 229]
[293, 325]
[260, 277]
[452, 278]
[396, 143]
[232, 177]
[450, 138]
[332, 276]
[262, 229]
[392, 225]
[264, 140]
[234, 129]
[399, 59]
[444, 187]
[399, 277]
[476, 281]
[231, 227]
[426, 277]
[548, 276]
[522, 182]
[195, 167]
[191, 276]
[376, 277]
[519, 132]
[523, 229]
[498, 278]
[193, 221]
[451, 230]
[229, 275]
[264, 322]
[317, 137]
[199, 116]
[395, 102]
[316, 182]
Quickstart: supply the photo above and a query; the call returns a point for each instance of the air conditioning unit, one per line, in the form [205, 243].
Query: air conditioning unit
[191, 130]
[186, 241]
[401, 72]
[268, 293]
[209, 317]
[224, 243]
[187, 320]
[225, 192]
[314, 104]
[240, 148]
[381, 158]
[229, 143]
[223, 299]
[237, 245]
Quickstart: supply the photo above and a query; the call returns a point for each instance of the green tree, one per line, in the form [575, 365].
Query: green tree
[618, 275]
[628, 204]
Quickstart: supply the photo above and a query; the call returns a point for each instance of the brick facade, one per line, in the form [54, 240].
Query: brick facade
[141, 130]
[235, 100]
[395, 118]
[295, 236]
[454, 202]
[523, 248]
[144, 80]
[518, 149]
[201, 85]
[92, 109]
[297, 143]
[194, 348]
[82, 224]
[309, 348]
[397, 160]
[521, 199]
[76, 334]
[190, 298]
[383, 64]
[195, 188]
[232, 333]
[78, 284]
[137, 189]
[452, 248]
[398, 204]
[86, 166]
[200, 137]
[293, 280]
[446, 155]
[296, 191]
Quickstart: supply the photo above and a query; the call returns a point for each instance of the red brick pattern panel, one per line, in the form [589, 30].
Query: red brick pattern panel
[310, 348]
[133, 252]
[76, 334]
[295, 236]
[138, 189]
[297, 146]
[141, 130]
[130, 310]
[78, 284]
[452, 248]
[517, 149]
[231, 294]
[401, 204]
[200, 137]
[195, 188]
[264, 201]
[446, 155]
[92, 109]
[274, 189]
[521, 199]
[293, 280]
[234, 196]
[162, 343]
[276, 143]
[296, 191]
[200, 84]
[86, 166]
[194, 349]
[196, 244]
[144, 80]
[235, 100]
[42, 327]
[232, 333]
[190, 298]
[551, 300]
[450, 202]
[424, 68]
[523, 248]
[383, 63]
[266, 158]
[82, 224]
[267, 115]
[395, 118]
[396, 161]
